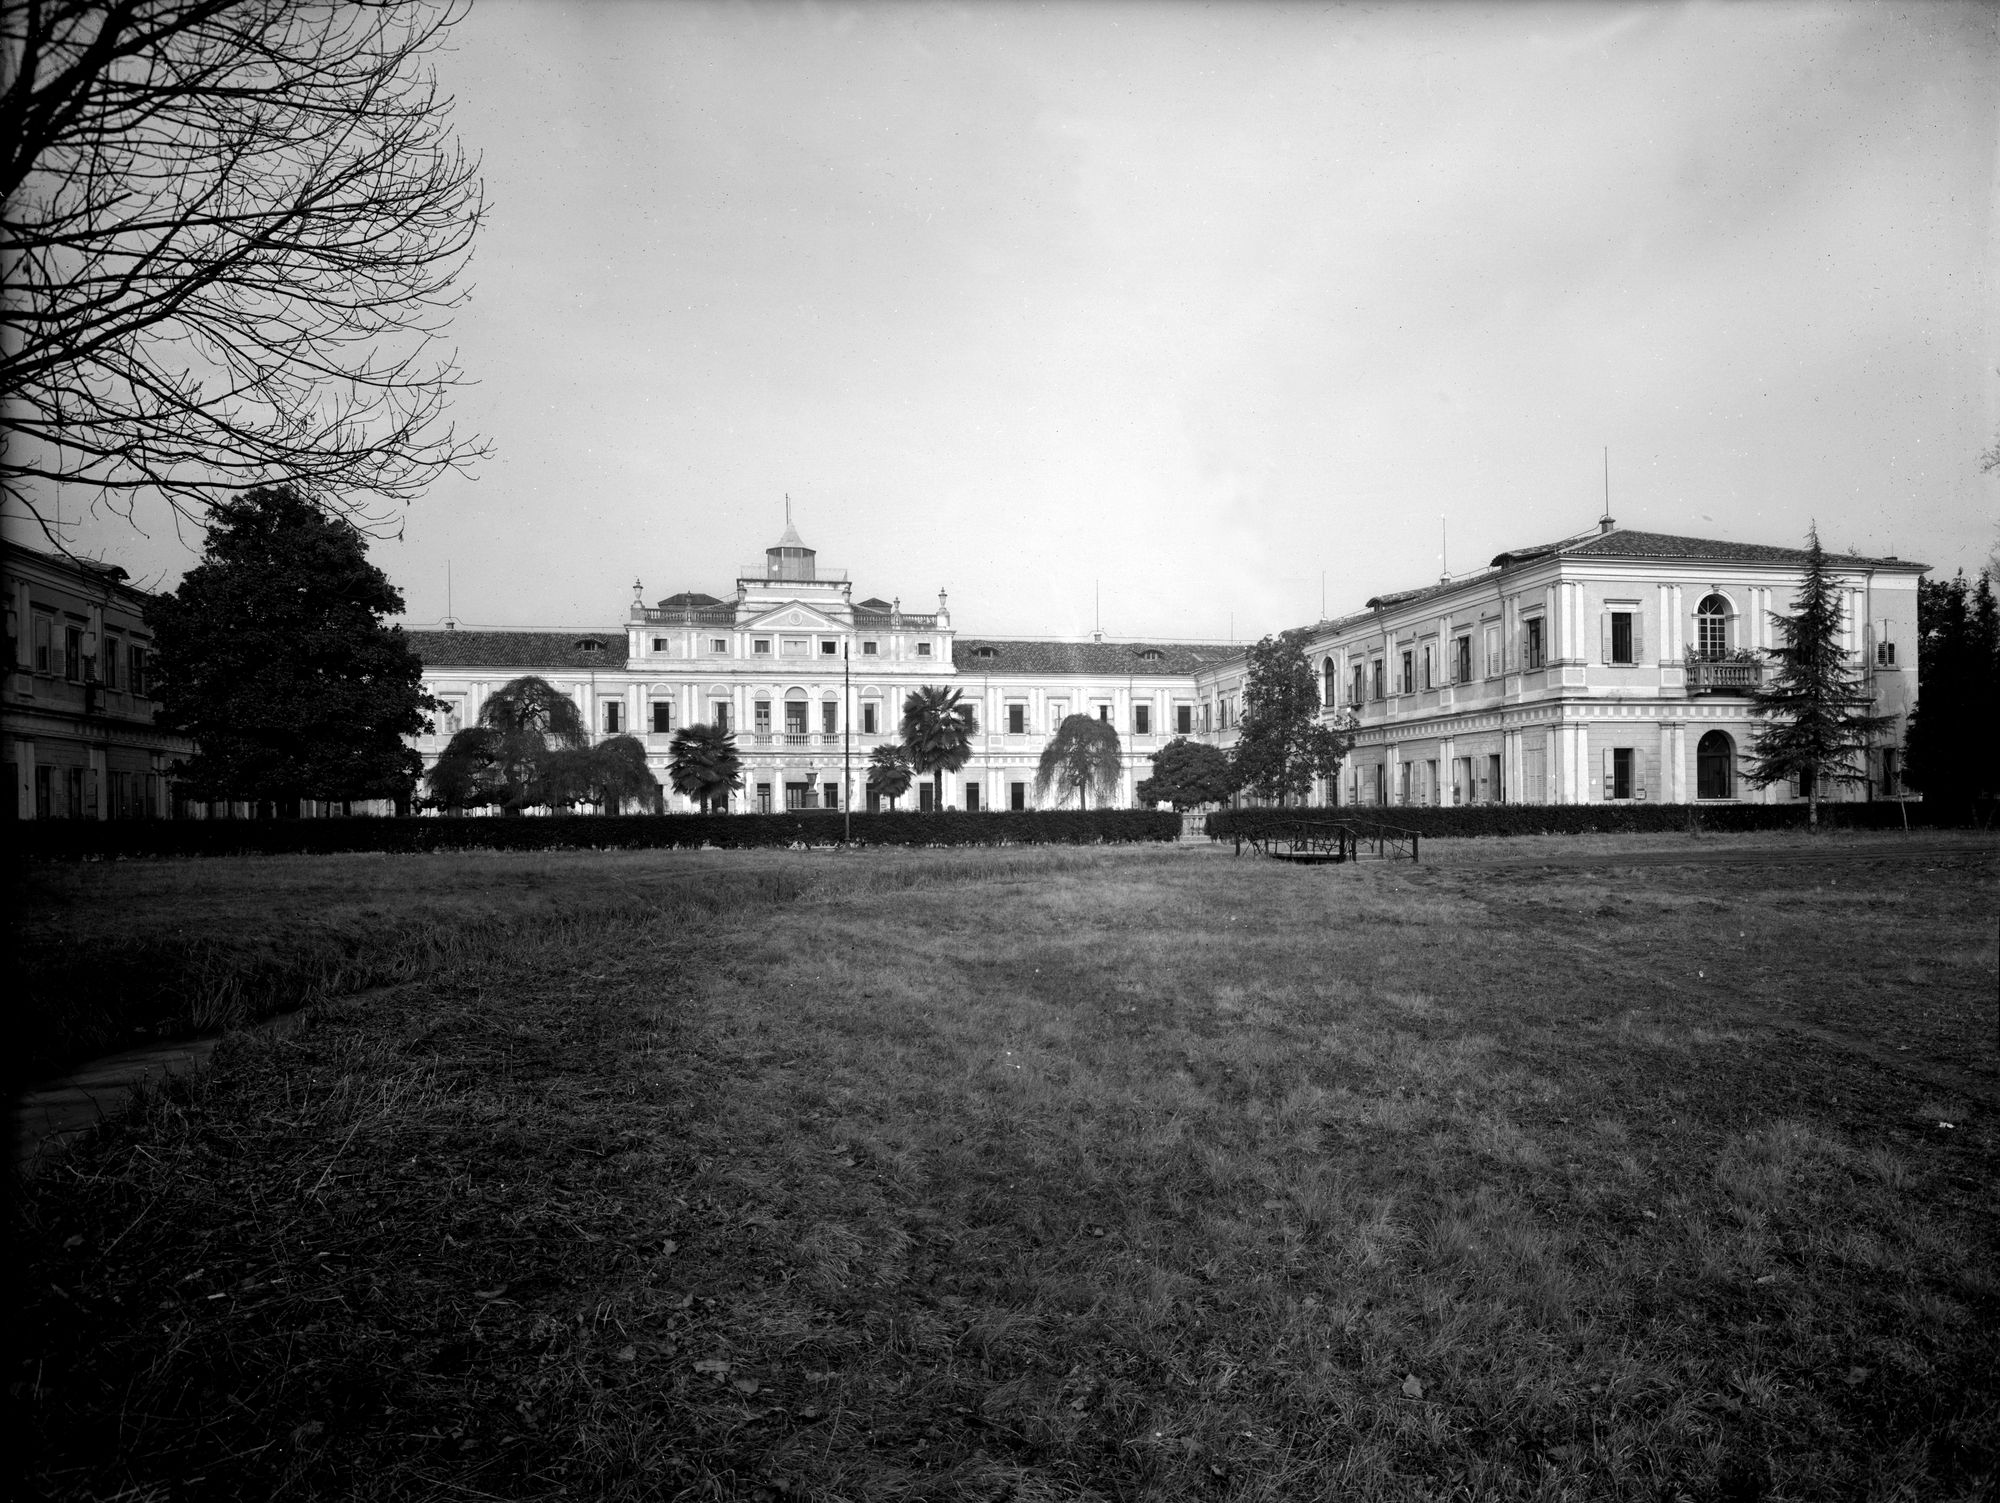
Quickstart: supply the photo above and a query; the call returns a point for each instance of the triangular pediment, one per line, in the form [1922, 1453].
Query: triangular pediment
[793, 615]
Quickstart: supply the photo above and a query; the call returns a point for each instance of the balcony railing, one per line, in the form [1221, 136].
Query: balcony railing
[1723, 676]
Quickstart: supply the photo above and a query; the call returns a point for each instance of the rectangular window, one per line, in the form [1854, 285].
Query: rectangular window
[1104, 713]
[1409, 679]
[828, 648]
[1377, 684]
[721, 715]
[110, 660]
[659, 644]
[45, 638]
[971, 798]
[829, 795]
[1618, 772]
[1403, 778]
[1535, 774]
[795, 718]
[1490, 790]
[760, 717]
[763, 798]
[1533, 653]
[1430, 665]
[73, 792]
[1885, 654]
[1183, 720]
[1017, 720]
[73, 654]
[760, 647]
[923, 649]
[1621, 637]
[663, 716]
[1058, 710]
[829, 718]
[868, 649]
[718, 644]
[1354, 698]
[795, 795]
[926, 797]
[614, 717]
[138, 669]
[1017, 796]
[868, 719]
[1142, 720]
[1461, 659]
[1493, 652]
[44, 793]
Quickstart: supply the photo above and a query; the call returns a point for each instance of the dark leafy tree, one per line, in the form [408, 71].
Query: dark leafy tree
[618, 775]
[1188, 774]
[234, 230]
[1955, 728]
[703, 765]
[274, 656]
[520, 755]
[1818, 725]
[889, 773]
[938, 727]
[1283, 744]
[1082, 758]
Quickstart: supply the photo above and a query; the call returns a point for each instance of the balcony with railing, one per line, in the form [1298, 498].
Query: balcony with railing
[1731, 675]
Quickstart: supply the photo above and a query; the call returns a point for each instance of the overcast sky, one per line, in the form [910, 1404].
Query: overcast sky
[1195, 305]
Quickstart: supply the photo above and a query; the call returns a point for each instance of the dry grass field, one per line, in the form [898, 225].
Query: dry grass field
[1056, 1174]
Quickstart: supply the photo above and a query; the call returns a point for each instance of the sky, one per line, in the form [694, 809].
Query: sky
[1190, 320]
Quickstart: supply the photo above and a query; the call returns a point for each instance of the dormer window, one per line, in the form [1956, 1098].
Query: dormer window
[985, 654]
[1152, 654]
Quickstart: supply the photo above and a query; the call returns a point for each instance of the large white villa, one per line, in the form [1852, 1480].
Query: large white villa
[1613, 665]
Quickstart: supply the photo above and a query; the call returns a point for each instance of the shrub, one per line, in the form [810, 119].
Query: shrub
[1582, 819]
[80, 839]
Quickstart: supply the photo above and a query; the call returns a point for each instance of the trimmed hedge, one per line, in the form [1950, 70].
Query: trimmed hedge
[1587, 819]
[87, 839]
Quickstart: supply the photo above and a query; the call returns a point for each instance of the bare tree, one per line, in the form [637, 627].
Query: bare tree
[232, 232]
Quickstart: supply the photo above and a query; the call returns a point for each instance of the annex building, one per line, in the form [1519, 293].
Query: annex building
[1614, 665]
[78, 730]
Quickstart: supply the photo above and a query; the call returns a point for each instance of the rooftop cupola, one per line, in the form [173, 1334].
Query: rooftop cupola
[789, 558]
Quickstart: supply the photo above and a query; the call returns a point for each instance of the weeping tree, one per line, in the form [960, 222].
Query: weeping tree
[1082, 758]
[605, 776]
[703, 765]
[525, 729]
[938, 727]
[1818, 723]
[889, 773]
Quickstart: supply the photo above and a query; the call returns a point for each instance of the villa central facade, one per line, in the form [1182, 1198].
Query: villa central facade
[1612, 666]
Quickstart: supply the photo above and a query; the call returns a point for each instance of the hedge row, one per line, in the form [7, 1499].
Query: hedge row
[83, 839]
[1592, 819]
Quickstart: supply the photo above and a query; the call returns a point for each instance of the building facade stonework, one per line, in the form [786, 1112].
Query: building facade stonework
[78, 731]
[1613, 666]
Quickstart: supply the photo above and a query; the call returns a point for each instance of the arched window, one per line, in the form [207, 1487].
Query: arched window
[1715, 765]
[1328, 685]
[1711, 629]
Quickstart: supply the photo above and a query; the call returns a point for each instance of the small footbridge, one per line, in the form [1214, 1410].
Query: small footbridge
[1314, 842]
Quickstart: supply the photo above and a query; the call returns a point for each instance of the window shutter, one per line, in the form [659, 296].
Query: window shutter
[1638, 636]
[1604, 622]
[1610, 774]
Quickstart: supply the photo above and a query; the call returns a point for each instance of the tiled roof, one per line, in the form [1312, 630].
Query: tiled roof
[1619, 543]
[525, 650]
[1095, 659]
[1409, 597]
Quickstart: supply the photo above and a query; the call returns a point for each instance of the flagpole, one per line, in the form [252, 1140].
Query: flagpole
[846, 745]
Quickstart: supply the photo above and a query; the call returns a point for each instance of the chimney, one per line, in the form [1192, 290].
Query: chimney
[1605, 524]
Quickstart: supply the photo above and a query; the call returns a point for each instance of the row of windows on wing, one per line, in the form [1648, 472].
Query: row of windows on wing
[1480, 779]
[119, 664]
[790, 647]
[797, 715]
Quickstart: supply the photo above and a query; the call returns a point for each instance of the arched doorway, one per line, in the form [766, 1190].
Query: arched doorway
[1715, 766]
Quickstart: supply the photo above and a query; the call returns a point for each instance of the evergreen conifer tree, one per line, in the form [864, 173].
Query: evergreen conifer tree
[1818, 726]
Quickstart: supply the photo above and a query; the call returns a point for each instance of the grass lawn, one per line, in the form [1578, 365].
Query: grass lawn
[1062, 1174]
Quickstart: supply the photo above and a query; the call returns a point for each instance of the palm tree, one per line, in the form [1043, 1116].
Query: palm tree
[1082, 755]
[889, 773]
[938, 727]
[702, 763]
